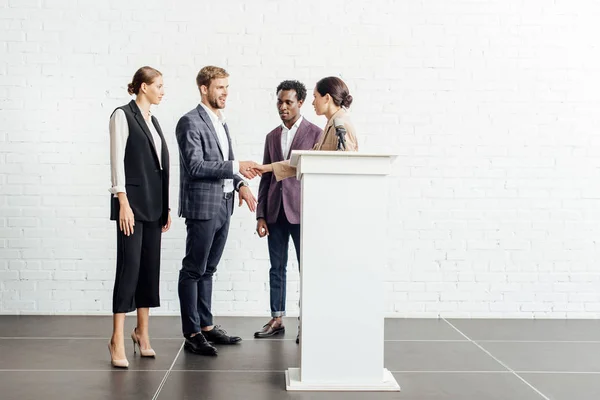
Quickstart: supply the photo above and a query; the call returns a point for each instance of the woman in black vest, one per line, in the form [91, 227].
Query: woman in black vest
[139, 162]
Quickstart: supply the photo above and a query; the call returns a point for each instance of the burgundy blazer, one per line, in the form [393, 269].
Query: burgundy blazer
[286, 193]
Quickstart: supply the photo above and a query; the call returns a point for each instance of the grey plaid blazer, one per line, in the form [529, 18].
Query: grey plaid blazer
[202, 168]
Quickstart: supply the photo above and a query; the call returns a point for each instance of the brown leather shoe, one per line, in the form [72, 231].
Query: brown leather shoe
[268, 330]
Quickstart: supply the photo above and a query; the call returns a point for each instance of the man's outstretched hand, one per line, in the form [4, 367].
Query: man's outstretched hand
[249, 169]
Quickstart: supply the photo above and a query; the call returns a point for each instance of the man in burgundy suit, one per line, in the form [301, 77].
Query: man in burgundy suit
[278, 210]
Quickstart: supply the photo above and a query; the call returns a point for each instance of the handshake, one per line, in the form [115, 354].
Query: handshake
[250, 169]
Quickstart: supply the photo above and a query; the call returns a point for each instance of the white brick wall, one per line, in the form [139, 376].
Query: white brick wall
[491, 104]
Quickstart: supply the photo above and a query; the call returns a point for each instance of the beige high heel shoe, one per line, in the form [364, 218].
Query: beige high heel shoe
[122, 363]
[143, 352]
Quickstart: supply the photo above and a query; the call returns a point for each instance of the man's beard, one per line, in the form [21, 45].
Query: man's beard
[214, 103]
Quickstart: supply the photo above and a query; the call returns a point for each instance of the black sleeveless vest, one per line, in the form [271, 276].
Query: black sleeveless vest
[146, 184]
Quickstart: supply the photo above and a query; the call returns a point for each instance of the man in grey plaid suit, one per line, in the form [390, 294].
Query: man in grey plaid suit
[209, 177]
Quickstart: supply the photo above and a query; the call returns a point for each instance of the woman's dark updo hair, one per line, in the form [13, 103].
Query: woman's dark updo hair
[337, 89]
[143, 75]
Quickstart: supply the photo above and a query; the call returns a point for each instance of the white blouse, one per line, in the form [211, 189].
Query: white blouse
[119, 132]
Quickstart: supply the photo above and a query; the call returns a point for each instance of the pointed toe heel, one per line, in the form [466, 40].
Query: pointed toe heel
[122, 363]
[143, 352]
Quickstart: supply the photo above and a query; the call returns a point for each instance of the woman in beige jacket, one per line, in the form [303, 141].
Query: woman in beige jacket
[332, 99]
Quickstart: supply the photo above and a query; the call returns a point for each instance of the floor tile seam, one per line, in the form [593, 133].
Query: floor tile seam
[502, 372]
[497, 360]
[164, 380]
[235, 371]
[115, 370]
[73, 338]
[538, 341]
[251, 340]
[287, 340]
[282, 371]
[560, 372]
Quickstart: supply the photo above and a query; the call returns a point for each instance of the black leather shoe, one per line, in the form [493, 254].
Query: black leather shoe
[218, 336]
[268, 331]
[198, 345]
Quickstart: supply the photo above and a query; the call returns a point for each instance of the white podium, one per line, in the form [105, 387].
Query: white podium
[343, 254]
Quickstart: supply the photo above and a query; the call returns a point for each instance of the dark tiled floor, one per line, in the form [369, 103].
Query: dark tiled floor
[438, 356]
[571, 357]
[529, 330]
[55, 357]
[77, 385]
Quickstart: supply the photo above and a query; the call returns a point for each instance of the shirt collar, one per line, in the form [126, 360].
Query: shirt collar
[214, 117]
[295, 126]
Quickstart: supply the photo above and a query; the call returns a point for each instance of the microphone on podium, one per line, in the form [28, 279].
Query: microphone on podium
[340, 132]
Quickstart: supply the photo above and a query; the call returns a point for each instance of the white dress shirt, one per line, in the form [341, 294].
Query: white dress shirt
[119, 132]
[287, 137]
[218, 122]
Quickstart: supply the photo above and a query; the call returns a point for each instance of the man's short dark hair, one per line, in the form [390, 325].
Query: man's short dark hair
[293, 85]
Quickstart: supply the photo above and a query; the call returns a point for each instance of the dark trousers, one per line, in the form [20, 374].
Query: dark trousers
[203, 249]
[279, 239]
[138, 268]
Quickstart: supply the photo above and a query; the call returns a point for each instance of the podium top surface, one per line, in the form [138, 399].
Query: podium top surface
[296, 154]
[341, 162]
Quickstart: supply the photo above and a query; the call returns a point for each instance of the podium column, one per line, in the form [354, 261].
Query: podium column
[343, 256]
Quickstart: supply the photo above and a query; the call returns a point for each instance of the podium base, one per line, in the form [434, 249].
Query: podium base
[293, 383]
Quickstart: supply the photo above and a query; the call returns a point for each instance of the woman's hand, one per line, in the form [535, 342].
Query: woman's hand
[261, 169]
[126, 217]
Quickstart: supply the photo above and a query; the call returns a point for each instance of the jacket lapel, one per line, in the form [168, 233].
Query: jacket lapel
[324, 135]
[206, 118]
[329, 127]
[229, 141]
[140, 120]
[277, 144]
[162, 140]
